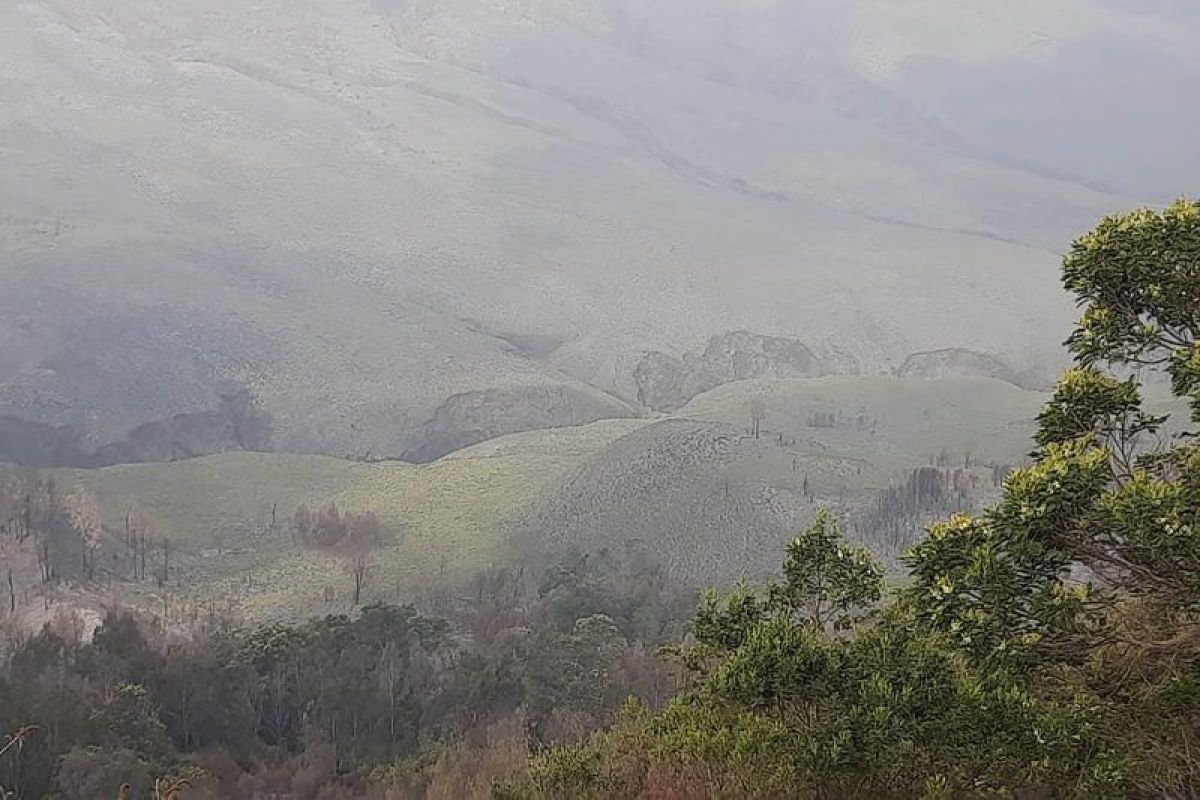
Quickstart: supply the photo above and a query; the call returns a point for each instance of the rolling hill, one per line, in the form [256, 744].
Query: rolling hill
[716, 503]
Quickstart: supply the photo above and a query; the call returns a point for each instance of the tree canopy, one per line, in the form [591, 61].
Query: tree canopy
[1048, 647]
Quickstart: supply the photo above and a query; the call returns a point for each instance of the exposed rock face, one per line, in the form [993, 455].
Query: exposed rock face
[473, 417]
[237, 424]
[956, 362]
[666, 383]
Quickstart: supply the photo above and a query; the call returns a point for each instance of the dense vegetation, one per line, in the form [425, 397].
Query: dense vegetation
[390, 700]
[1049, 647]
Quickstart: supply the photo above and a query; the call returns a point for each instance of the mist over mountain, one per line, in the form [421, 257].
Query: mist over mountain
[537, 399]
[384, 228]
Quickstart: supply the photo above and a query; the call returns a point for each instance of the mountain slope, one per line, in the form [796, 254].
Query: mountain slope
[369, 215]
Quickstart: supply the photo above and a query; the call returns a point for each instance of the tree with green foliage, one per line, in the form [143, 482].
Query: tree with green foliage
[384, 700]
[1049, 647]
[828, 582]
[1137, 277]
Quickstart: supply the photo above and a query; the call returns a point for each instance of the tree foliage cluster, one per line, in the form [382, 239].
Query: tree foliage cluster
[330, 527]
[342, 706]
[1048, 647]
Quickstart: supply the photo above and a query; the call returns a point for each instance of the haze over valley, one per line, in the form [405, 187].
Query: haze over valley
[382, 383]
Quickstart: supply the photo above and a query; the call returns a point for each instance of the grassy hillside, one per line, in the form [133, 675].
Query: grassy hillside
[713, 501]
[886, 424]
[719, 503]
[444, 518]
[695, 485]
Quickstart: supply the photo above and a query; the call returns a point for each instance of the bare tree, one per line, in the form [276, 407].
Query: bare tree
[758, 412]
[391, 677]
[352, 537]
[363, 534]
[83, 512]
[358, 568]
[138, 530]
[166, 562]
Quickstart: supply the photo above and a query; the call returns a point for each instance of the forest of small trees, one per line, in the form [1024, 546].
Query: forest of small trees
[387, 703]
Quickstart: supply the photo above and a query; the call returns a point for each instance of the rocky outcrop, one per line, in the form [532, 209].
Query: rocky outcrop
[957, 362]
[473, 417]
[236, 424]
[665, 383]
